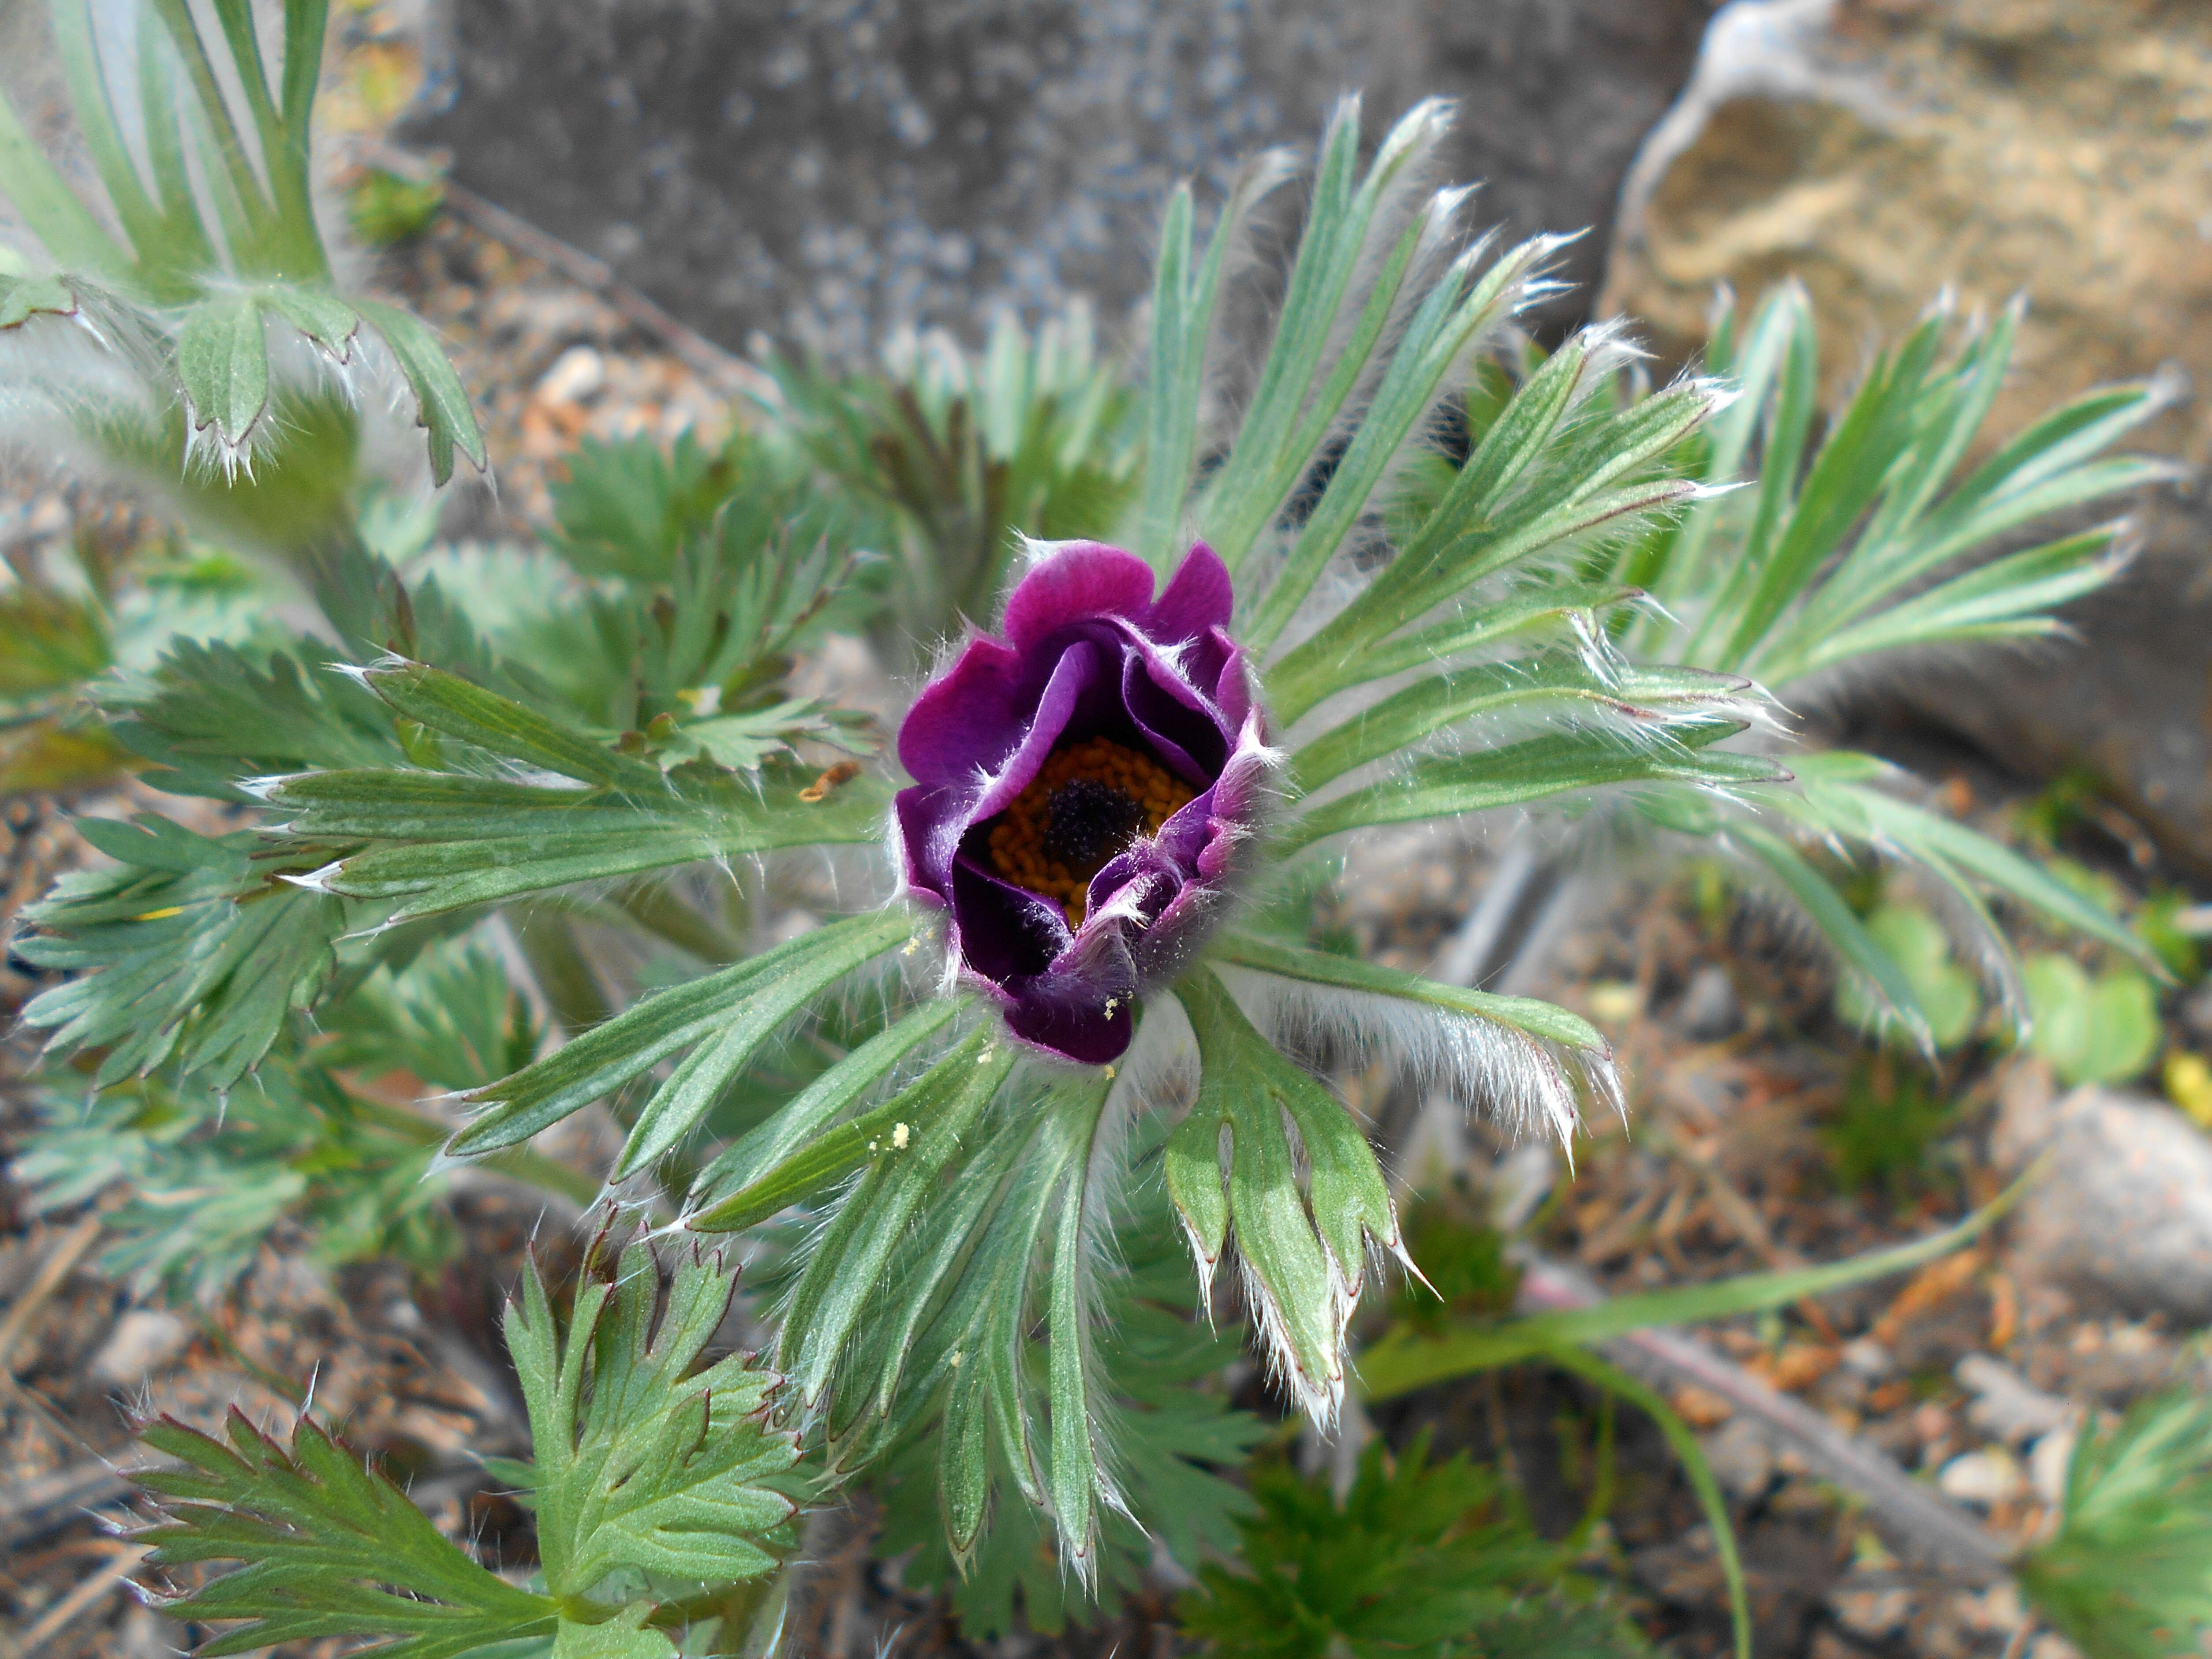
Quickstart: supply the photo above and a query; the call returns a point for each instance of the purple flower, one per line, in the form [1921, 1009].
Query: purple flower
[1086, 791]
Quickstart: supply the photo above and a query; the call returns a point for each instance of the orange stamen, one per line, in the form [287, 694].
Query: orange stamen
[1018, 839]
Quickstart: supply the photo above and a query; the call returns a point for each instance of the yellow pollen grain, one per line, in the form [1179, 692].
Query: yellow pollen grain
[1017, 840]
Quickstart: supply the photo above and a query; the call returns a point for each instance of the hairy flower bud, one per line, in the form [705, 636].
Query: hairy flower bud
[1084, 786]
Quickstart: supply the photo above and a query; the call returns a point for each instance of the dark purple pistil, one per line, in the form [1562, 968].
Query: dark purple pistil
[1087, 822]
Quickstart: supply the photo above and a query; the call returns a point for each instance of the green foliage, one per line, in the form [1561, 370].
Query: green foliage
[1468, 1273]
[385, 209]
[663, 1496]
[627, 508]
[2156, 925]
[949, 1309]
[1176, 1436]
[1868, 542]
[1891, 1116]
[328, 1547]
[205, 1177]
[203, 164]
[651, 1471]
[205, 1174]
[962, 454]
[1403, 1360]
[1944, 992]
[1306, 1255]
[209, 712]
[1418, 1556]
[2126, 1574]
[708, 573]
[203, 952]
[2100, 1030]
[1877, 539]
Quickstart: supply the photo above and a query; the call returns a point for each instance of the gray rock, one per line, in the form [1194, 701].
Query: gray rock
[2006, 1403]
[1709, 1010]
[1742, 1458]
[827, 170]
[2123, 1213]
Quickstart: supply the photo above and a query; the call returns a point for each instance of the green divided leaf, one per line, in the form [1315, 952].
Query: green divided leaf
[1418, 1556]
[223, 361]
[1305, 1252]
[1536, 1065]
[331, 1548]
[441, 401]
[324, 317]
[845, 1271]
[627, 507]
[209, 714]
[202, 1177]
[804, 1149]
[1172, 1433]
[447, 703]
[1565, 689]
[1563, 763]
[734, 1012]
[462, 838]
[647, 1469]
[22, 298]
[625, 1635]
[185, 952]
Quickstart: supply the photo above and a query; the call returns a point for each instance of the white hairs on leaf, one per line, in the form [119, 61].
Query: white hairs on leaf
[1527, 1082]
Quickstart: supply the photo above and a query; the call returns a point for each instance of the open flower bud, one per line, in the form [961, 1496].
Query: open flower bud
[1085, 787]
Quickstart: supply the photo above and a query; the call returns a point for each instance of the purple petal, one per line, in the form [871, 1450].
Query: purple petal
[1076, 581]
[965, 719]
[1080, 686]
[1004, 932]
[1077, 1031]
[1084, 1006]
[1240, 799]
[930, 822]
[1230, 675]
[1198, 601]
[1171, 715]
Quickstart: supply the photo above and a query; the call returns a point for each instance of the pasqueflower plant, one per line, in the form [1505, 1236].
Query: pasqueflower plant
[1068, 971]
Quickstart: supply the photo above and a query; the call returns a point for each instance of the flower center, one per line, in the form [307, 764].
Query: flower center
[1088, 802]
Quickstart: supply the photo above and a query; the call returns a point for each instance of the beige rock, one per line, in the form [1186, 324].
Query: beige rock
[1988, 1478]
[2122, 1215]
[1880, 150]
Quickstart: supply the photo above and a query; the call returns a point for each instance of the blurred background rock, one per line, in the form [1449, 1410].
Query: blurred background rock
[827, 170]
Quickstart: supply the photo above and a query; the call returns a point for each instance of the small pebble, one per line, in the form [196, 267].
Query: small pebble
[2005, 1403]
[1987, 1478]
[2048, 1460]
[576, 376]
[1865, 1356]
[143, 1340]
[1709, 1010]
[1742, 1460]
